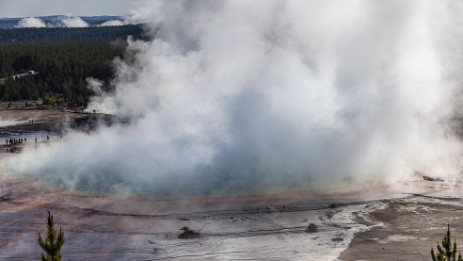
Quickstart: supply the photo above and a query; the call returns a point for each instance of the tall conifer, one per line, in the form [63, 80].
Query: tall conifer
[52, 243]
[446, 252]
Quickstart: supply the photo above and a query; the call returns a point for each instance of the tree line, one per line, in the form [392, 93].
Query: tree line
[62, 65]
[65, 34]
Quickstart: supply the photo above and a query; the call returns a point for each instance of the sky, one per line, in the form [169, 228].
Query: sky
[26, 8]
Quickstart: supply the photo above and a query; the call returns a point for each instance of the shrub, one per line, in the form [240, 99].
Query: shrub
[446, 252]
[52, 243]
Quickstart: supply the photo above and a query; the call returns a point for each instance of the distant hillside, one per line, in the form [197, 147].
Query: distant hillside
[54, 35]
[91, 20]
[8, 22]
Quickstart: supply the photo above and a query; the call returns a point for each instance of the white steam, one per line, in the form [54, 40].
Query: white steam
[62, 21]
[256, 96]
[113, 23]
[31, 22]
[70, 21]
[135, 17]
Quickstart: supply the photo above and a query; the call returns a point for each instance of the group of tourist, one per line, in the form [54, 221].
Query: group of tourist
[17, 141]
[14, 141]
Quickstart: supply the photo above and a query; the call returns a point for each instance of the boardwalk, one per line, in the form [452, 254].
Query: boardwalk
[54, 121]
[18, 76]
[18, 147]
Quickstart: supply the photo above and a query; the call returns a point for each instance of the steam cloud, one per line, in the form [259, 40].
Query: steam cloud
[113, 23]
[62, 21]
[70, 21]
[254, 97]
[135, 17]
[31, 22]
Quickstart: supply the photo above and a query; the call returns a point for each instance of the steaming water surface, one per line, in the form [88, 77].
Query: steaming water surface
[122, 228]
[243, 98]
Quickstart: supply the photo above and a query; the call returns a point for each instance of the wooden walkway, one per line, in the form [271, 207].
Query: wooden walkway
[18, 147]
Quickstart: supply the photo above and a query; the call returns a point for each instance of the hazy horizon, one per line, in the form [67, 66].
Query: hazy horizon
[31, 8]
[55, 15]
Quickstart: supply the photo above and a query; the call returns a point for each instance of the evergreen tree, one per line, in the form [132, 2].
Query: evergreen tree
[62, 58]
[446, 252]
[52, 243]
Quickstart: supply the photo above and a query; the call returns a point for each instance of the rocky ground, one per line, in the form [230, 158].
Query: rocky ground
[407, 229]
